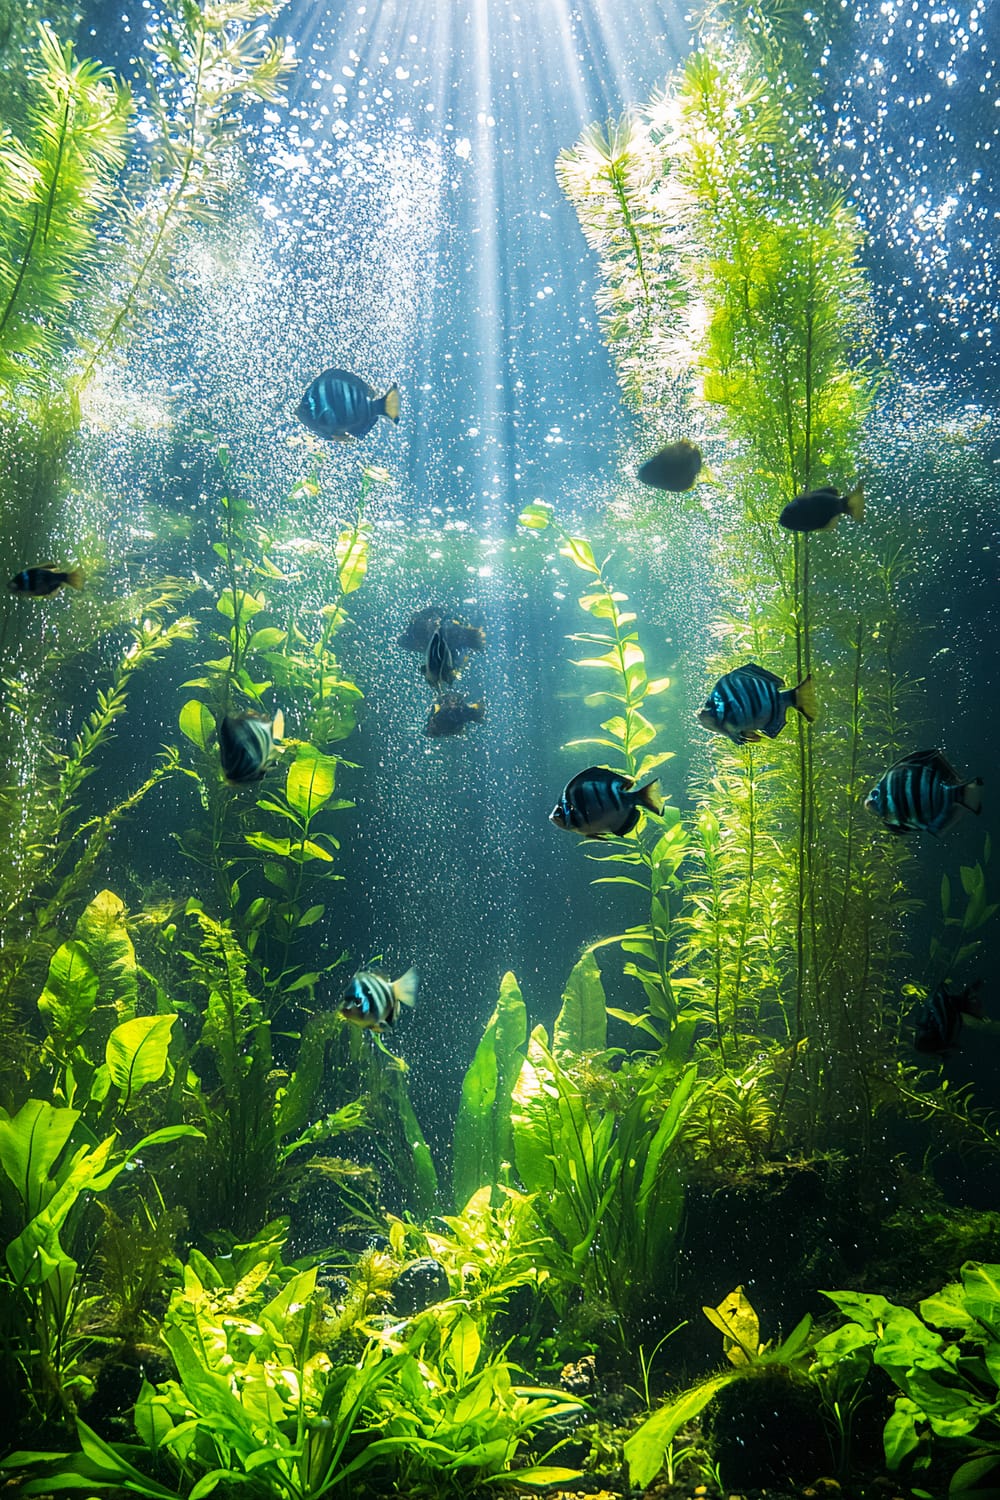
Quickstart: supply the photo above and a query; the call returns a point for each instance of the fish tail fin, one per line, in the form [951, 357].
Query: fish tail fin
[405, 987]
[856, 502]
[476, 711]
[805, 700]
[649, 796]
[969, 794]
[278, 726]
[390, 403]
[76, 578]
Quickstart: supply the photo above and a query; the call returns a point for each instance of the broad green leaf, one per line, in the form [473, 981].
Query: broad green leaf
[30, 1144]
[540, 1474]
[945, 895]
[70, 994]
[298, 849]
[582, 1022]
[196, 722]
[311, 780]
[482, 1135]
[646, 1449]
[657, 685]
[267, 639]
[103, 930]
[602, 605]
[136, 1053]
[249, 604]
[535, 516]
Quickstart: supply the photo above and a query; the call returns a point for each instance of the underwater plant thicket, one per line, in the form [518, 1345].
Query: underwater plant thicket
[181, 1108]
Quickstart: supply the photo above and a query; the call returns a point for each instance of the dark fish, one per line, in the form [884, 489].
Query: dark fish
[820, 510]
[675, 467]
[599, 802]
[247, 745]
[450, 715]
[461, 637]
[38, 582]
[341, 405]
[922, 792]
[458, 634]
[939, 1019]
[439, 665]
[422, 625]
[373, 1001]
[750, 701]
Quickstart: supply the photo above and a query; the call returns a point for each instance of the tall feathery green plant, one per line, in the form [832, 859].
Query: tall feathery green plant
[774, 322]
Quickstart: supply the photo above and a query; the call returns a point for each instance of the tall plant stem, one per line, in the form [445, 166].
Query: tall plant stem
[747, 904]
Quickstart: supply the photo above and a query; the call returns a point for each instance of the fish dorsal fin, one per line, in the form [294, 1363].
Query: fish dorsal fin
[753, 670]
[934, 758]
[596, 773]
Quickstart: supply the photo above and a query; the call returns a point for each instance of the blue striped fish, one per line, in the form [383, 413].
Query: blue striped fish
[247, 745]
[599, 802]
[373, 1001]
[922, 792]
[749, 701]
[341, 405]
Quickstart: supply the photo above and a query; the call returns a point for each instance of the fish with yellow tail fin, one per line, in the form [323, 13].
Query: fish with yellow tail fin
[372, 1001]
[39, 582]
[820, 510]
[600, 803]
[750, 701]
[342, 406]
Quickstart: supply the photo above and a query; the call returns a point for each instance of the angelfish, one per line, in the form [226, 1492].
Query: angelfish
[923, 793]
[247, 745]
[373, 1001]
[751, 701]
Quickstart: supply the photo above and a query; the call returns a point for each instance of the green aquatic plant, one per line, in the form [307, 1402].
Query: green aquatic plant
[482, 1148]
[944, 1361]
[54, 187]
[601, 1152]
[611, 177]
[650, 1447]
[208, 63]
[793, 906]
[458, 1416]
[296, 851]
[627, 733]
[52, 1165]
[56, 841]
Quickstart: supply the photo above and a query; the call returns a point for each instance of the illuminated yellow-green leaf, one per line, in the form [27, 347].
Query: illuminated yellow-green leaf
[616, 726]
[641, 732]
[609, 659]
[535, 516]
[603, 605]
[351, 552]
[249, 604]
[311, 780]
[657, 685]
[580, 552]
[136, 1052]
[266, 639]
